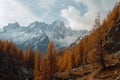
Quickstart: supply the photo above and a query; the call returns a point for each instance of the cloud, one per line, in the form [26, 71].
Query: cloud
[46, 3]
[75, 20]
[95, 6]
[12, 11]
[79, 13]
[86, 21]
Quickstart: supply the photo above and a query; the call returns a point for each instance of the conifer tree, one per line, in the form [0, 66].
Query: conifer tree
[100, 50]
[19, 54]
[37, 66]
[51, 57]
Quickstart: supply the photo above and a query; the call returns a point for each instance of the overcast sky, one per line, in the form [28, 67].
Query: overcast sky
[78, 14]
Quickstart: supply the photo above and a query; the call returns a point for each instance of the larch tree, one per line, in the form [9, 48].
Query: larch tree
[45, 71]
[0, 45]
[60, 62]
[65, 60]
[51, 57]
[97, 22]
[6, 47]
[20, 54]
[84, 50]
[37, 65]
[78, 55]
[99, 43]
[31, 57]
[100, 49]
[70, 62]
[26, 56]
[13, 49]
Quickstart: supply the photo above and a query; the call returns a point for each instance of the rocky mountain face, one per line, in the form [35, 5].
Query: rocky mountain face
[114, 39]
[38, 34]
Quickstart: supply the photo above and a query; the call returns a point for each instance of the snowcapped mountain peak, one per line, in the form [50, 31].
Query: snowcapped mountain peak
[38, 34]
[58, 23]
[16, 24]
[35, 40]
[12, 26]
[34, 24]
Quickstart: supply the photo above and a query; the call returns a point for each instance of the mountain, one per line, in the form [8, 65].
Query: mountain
[97, 55]
[93, 57]
[114, 39]
[37, 35]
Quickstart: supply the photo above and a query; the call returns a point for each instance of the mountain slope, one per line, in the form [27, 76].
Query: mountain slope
[38, 34]
[97, 55]
[24, 37]
[12, 68]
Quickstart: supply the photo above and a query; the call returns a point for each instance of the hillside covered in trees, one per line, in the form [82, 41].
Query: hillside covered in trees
[95, 57]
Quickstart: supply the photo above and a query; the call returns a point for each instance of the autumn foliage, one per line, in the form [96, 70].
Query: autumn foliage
[90, 50]
[10, 49]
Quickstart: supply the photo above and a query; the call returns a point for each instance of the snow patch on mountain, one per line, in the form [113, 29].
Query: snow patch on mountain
[37, 35]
